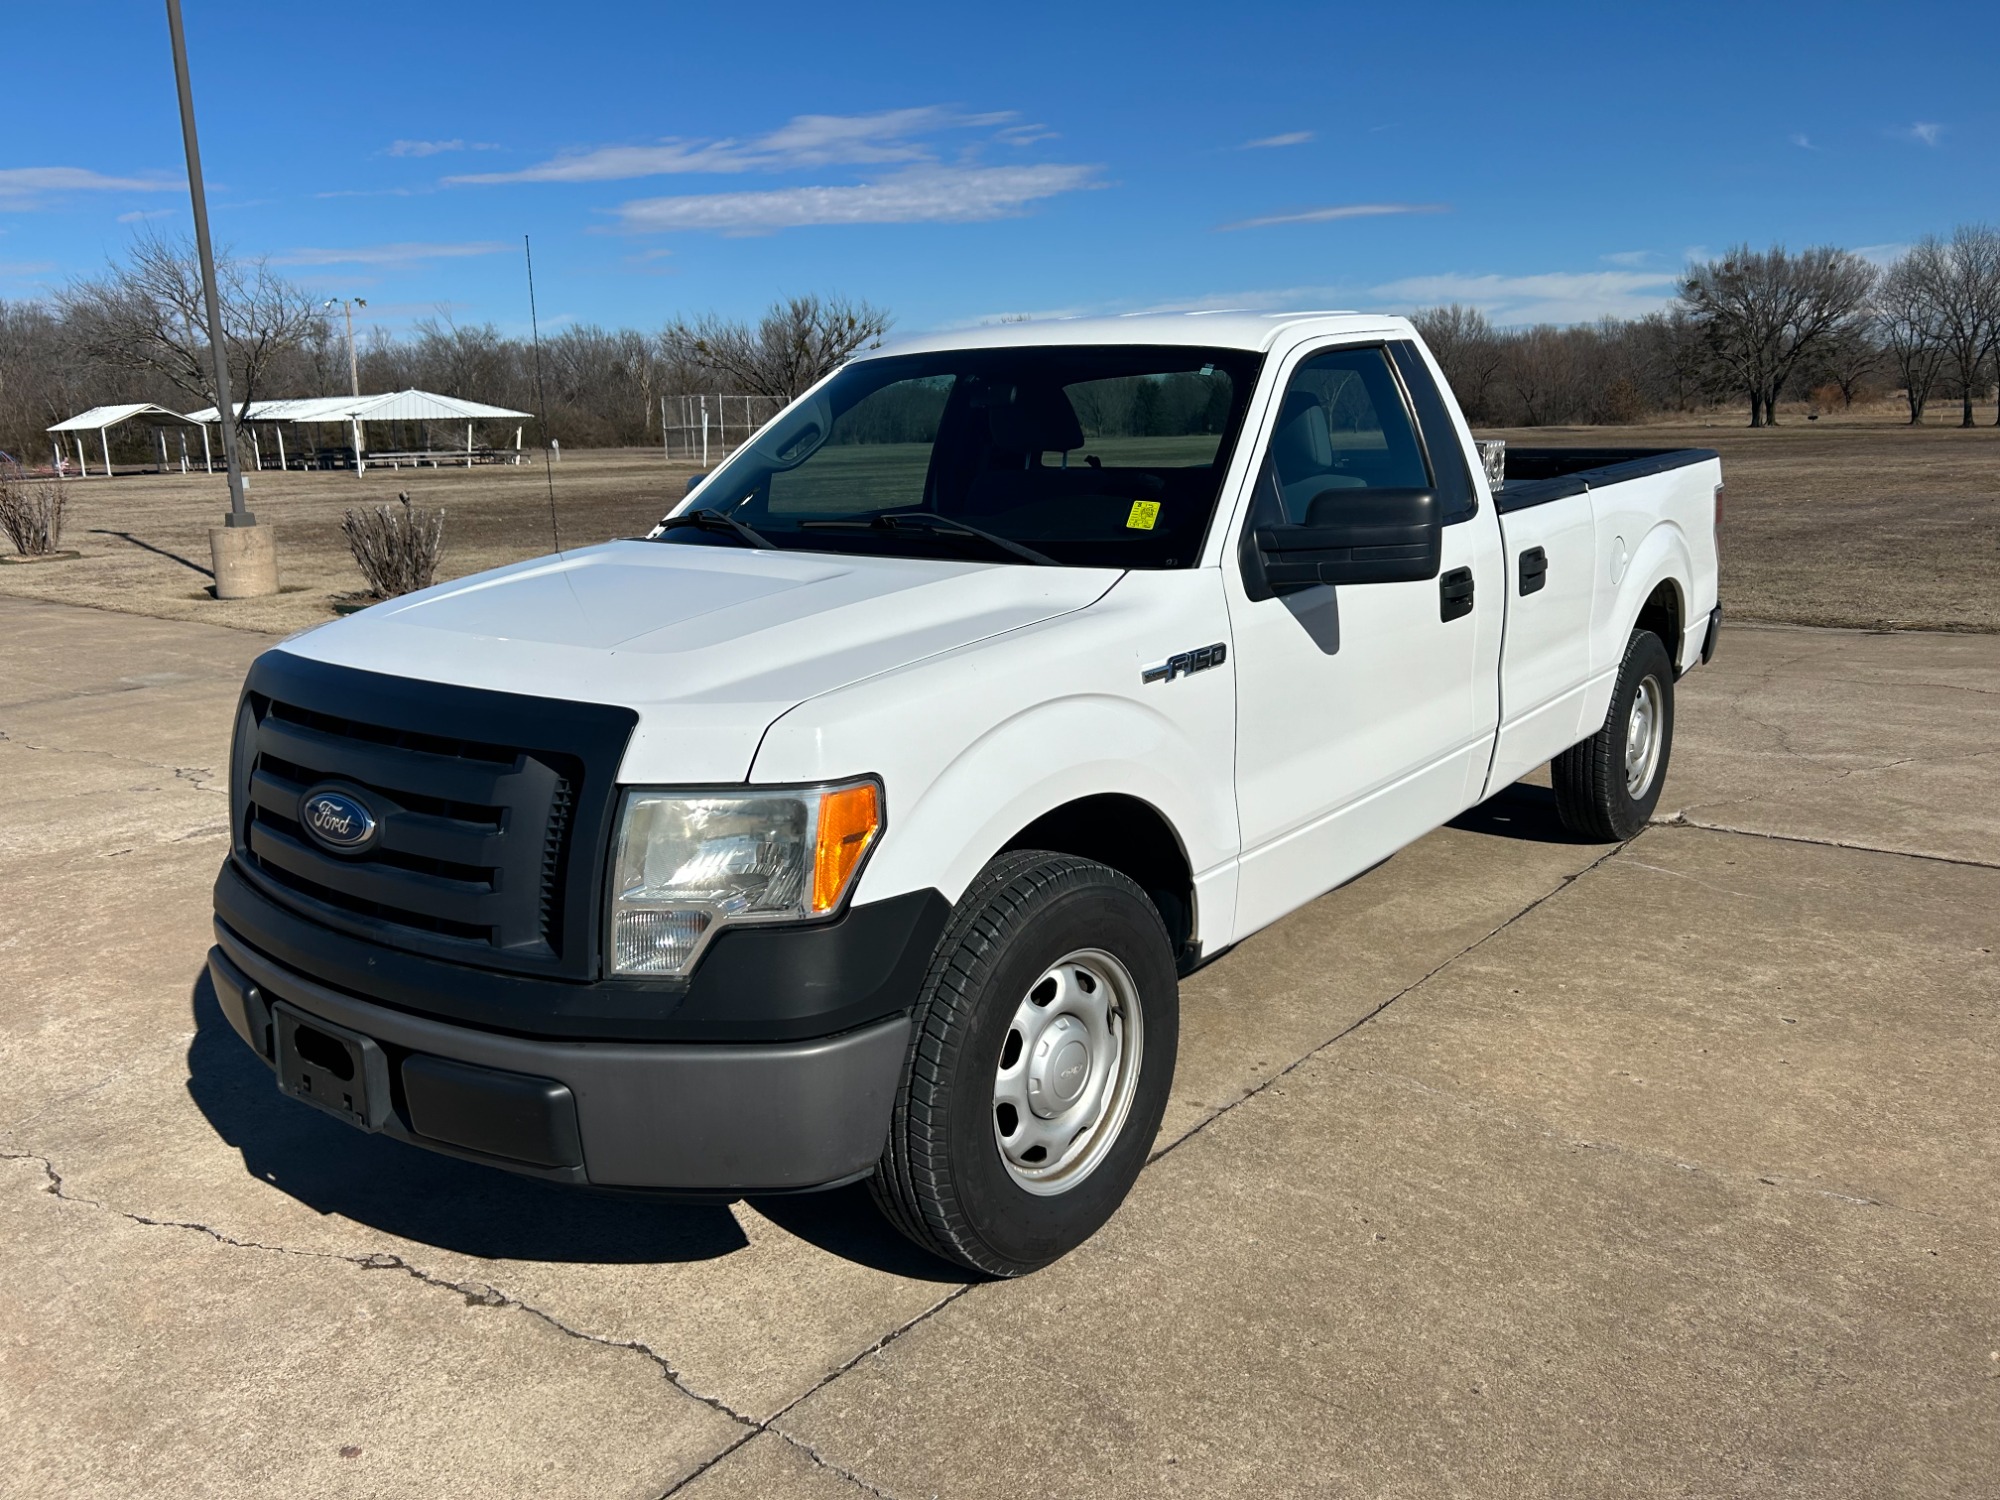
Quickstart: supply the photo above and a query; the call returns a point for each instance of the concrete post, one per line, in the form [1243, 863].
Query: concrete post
[246, 561]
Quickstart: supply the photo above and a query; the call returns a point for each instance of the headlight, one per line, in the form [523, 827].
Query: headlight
[690, 864]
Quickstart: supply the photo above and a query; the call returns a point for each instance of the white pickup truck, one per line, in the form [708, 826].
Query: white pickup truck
[859, 821]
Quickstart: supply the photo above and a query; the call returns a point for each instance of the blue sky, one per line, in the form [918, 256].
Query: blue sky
[956, 163]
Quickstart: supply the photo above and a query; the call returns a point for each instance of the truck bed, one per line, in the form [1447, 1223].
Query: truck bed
[1536, 476]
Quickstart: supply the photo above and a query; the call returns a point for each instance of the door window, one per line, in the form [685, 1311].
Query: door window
[1342, 426]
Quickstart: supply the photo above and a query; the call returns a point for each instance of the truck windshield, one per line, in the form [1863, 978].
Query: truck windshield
[1082, 455]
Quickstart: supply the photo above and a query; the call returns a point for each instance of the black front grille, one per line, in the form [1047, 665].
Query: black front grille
[480, 799]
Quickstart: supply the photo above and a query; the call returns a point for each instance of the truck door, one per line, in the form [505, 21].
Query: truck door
[1365, 713]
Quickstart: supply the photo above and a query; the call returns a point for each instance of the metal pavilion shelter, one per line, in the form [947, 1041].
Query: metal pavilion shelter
[101, 419]
[356, 412]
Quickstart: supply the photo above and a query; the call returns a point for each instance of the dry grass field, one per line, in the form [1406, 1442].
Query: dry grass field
[1859, 522]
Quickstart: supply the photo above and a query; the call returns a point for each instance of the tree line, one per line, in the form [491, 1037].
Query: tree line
[1759, 327]
[1756, 327]
[137, 333]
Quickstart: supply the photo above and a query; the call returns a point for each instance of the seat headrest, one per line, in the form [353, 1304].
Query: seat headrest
[1303, 444]
[1033, 419]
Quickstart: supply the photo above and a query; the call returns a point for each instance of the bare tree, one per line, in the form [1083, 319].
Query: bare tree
[454, 359]
[1958, 283]
[1549, 371]
[1912, 333]
[1674, 364]
[1468, 351]
[797, 342]
[42, 378]
[148, 316]
[1765, 311]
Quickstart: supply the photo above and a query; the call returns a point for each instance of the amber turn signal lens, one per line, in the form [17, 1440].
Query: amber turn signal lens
[848, 821]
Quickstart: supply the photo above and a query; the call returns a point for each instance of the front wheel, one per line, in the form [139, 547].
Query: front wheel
[1041, 1053]
[1608, 786]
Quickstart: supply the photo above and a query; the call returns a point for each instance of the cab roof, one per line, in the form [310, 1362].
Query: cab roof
[1213, 330]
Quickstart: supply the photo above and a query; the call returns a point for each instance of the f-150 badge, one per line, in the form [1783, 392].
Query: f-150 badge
[1186, 662]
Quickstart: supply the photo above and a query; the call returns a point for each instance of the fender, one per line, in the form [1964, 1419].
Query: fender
[974, 745]
[1004, 781]
[1661, 556]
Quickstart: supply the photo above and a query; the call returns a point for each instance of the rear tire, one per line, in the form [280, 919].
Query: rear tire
[1041, 1053]
[1607, 786]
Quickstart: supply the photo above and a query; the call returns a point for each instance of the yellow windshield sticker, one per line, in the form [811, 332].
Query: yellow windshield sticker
[1144, 514]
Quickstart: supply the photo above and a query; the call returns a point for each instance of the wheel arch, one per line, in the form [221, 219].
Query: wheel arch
[1133, 837]
[1655, 594]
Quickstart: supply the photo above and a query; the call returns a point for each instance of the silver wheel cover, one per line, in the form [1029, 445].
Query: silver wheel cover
[1645, 734]
[1067, 1071]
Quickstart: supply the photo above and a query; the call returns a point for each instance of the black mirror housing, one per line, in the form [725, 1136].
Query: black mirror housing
[1355, 536]
[695, 480]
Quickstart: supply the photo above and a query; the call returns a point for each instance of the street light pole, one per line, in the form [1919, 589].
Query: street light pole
[239, 512]
[353, 369]
[245, 554]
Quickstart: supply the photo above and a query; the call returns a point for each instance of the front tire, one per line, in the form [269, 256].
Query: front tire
[1607, 786]
[1041, 1053]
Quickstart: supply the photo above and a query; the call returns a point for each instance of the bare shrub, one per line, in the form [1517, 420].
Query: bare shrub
[396, 550]
[31, 510]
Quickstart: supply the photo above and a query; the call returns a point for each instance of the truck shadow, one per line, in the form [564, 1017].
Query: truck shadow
[475, 1210]
[1521, 811]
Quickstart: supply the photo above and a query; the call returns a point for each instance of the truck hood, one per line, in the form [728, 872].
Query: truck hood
[708, 644]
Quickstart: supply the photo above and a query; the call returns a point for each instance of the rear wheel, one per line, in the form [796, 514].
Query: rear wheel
[1607, 786]
[1041, 1053]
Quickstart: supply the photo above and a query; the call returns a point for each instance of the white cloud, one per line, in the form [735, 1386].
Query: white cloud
[434, 148]
[1803, 141]
[141, 215]
[1882, 255]
[1338, 211]
[1552, 297]
[25, 267]
[919, 195]
[886, 137]
[1289, 138]
[1923, 132]
[388, 255]
[1627, 257]
[25, 187]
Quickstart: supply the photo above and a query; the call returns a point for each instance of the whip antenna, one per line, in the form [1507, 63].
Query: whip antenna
[541, 398]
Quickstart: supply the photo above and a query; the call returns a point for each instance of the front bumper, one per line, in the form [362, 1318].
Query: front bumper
[708, 1118]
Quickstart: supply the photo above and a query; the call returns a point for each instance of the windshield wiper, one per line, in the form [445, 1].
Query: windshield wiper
[936, 525]
[720, 522]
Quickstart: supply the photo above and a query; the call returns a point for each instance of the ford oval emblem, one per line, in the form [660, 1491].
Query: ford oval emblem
[337, 820]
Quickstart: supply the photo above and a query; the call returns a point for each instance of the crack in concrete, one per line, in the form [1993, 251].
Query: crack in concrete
[1682, 820]
[485, 1294]
[66, 1097]
[1346, 1031]
[202, 778]
[158, 680]
[770, 1423]
[1831, 775]
[1493, 1114]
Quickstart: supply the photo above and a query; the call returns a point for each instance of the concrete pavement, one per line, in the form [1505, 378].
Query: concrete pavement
[1517, 1166]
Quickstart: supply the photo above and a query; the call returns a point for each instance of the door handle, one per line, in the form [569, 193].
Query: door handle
[1455, 594]
[1534, 570]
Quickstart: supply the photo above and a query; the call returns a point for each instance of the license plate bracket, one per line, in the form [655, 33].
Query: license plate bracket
[334, 1069]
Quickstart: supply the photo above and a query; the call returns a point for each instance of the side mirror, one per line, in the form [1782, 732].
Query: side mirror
[694, 482]
[1354, 536]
